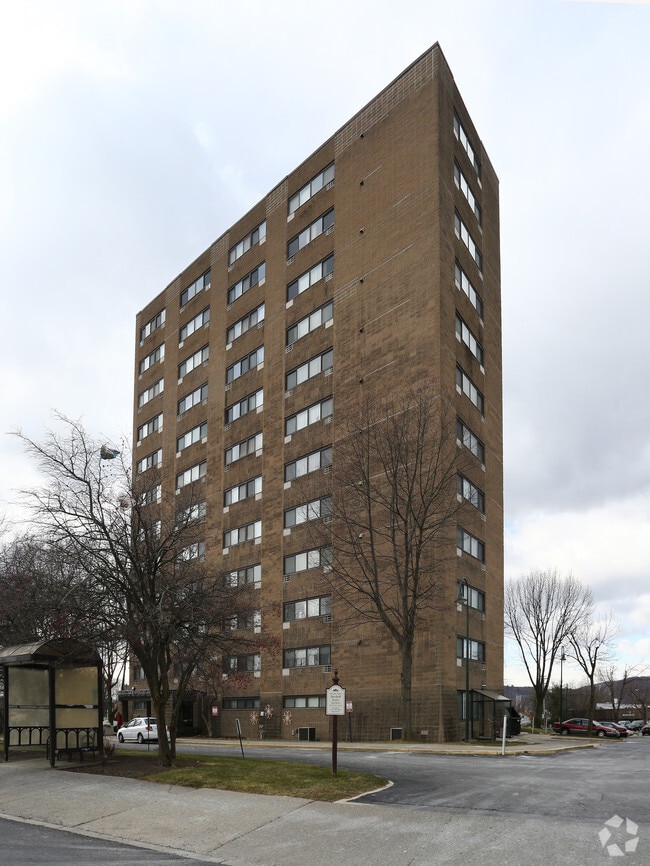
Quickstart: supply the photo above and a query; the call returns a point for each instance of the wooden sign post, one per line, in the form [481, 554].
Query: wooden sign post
[335, 707]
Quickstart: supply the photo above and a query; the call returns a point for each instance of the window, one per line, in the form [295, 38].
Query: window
[152, 325]
[303, 702]
[461, 135]
[468, 543]
[193, 512]
[240, 288]
[464, 284]
[309, 189]
[321, 556]
[149, 529]
[257, 236]
[309, 463]
[249, 404]
[157, 388]
[309, 369]
[476, 707]
[310, 415]
[309, 511]
[251, 620]
[307, 657]
[465, 386]
[192, 551]
[244, 663]
[194, 473]
[197, 286]
[463, 186]
[476, 597]
[240, 703]
[462, 232]
[250, 574]
[474, 650]
[255, 317]
[148, 462]
[465, 335]
[318, 272]
[247, 446]
[194, 398]
[152, 358]
[318, 227]
[240, 534]
[469, 440]
[194, 435]
[194, 361]
[243, 491]
[469, 491]
[199, 321]
[250, 362]
[153, 494]
[307, 608]
[310, 323]
[154, 425]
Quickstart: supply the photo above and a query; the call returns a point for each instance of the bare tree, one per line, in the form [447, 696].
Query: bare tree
[542, 610]
[590, 645]
[44, 596]
[394, 513]
[617, 684]
[37, 589]
[641, 697]
[140, 550]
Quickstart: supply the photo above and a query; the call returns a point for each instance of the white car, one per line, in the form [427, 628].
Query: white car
[141, 730]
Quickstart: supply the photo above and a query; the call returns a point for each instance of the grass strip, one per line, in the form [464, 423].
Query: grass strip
[270, 777]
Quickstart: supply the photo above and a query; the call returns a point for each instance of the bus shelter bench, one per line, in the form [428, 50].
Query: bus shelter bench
[74, 742]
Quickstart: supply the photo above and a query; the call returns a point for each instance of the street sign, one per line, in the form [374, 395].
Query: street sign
[335, 701]
[348, 706]
[215, 710]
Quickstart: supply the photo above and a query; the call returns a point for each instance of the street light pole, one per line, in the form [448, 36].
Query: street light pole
[464, 596]
[562, 660]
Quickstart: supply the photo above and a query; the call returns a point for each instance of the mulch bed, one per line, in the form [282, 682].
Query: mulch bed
[126, 766]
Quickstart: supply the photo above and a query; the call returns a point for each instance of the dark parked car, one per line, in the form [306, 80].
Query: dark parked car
[581, 726]
[636, 725]
[645, 730]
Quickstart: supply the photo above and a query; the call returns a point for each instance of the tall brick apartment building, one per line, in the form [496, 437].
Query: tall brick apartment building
[374, 264]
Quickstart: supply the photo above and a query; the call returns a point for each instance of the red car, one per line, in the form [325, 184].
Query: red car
[623, 731]
[580, 726]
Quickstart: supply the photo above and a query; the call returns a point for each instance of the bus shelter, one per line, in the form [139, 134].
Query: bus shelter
[52, 698]
[488, 711]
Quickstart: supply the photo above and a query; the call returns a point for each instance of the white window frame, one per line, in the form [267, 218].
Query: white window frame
[309, 323]
[149, 393]
[241, 326]
[322, 179]
[195, 324]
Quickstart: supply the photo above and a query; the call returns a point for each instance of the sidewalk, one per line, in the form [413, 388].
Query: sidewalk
[525, 744]
[214, 826]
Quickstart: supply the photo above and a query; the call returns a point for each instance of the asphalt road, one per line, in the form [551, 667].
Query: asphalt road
[590, 784]
[23, 844]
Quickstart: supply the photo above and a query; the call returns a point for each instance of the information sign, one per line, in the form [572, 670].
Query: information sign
[335, 701]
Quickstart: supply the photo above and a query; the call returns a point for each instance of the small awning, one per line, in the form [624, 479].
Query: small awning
[492, 696]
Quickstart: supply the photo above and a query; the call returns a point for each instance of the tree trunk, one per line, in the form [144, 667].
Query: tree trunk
[406, 683]
[540, 694]
[165, 755]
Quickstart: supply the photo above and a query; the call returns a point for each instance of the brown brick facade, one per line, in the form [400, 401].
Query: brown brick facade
[395, 301]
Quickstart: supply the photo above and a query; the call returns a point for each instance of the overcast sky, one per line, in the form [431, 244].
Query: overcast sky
[134, 132]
